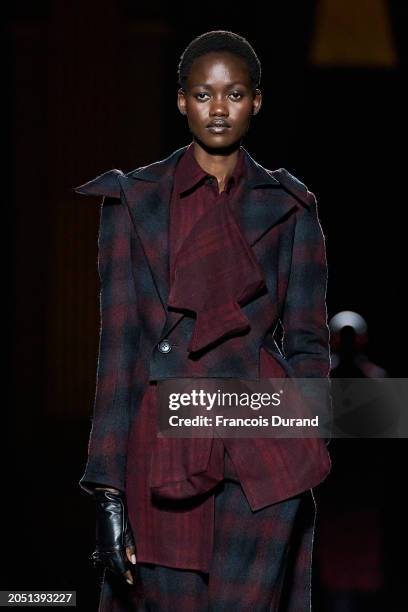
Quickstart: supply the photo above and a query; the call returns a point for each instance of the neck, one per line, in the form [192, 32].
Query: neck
[218, 162]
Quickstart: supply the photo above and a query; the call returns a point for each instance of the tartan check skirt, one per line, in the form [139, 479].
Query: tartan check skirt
[262, 562]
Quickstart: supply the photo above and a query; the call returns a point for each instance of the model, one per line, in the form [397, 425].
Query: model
[201, 256]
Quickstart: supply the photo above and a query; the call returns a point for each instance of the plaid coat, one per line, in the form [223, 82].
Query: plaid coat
[277, 217]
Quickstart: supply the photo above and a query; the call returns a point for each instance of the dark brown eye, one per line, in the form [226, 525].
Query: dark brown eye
[202, 93]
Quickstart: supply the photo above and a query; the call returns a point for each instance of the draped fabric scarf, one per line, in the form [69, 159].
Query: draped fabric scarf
[215, 274]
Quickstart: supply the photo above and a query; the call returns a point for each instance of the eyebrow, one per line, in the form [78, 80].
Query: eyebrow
[227, 85]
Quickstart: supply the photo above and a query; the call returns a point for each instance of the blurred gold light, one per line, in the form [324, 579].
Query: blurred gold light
[353, 33]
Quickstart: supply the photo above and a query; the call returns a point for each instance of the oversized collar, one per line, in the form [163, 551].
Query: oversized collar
[157, 171]
[267, 197]
[107, 184]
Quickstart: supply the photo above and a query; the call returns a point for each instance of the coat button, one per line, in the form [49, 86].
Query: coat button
[164, 346]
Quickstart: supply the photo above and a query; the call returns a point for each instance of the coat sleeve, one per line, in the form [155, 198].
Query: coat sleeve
[306, 333]
[118, 349]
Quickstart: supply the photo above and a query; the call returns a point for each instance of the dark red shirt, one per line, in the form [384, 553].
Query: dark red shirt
[194, 192]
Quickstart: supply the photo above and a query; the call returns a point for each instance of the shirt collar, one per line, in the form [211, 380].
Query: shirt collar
[189, 172]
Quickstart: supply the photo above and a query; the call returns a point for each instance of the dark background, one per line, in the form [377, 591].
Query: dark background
[90, 86]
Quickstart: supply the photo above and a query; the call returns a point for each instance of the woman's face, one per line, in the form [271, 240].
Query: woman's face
[219, 90]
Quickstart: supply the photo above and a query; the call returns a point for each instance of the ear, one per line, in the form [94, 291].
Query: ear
[181, 101]
[257, 101]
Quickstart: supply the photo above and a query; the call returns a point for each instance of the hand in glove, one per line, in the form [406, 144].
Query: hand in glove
[115, 545]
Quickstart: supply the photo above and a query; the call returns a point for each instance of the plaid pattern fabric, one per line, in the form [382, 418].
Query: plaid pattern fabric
[261, 562]
[277, 216]
[194, 193]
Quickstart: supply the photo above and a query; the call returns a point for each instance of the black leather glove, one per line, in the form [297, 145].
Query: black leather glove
[113, 532]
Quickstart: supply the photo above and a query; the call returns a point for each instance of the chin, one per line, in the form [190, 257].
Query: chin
[217, 141]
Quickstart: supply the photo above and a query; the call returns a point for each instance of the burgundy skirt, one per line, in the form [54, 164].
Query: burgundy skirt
[261, 561]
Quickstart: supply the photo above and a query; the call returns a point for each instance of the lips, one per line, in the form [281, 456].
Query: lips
[214, 124]
[218, 128]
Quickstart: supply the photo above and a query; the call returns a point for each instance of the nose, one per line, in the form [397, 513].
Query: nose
[219, 108]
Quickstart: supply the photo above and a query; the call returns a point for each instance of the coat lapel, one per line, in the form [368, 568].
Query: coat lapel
[264, 202]
[147, 192]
